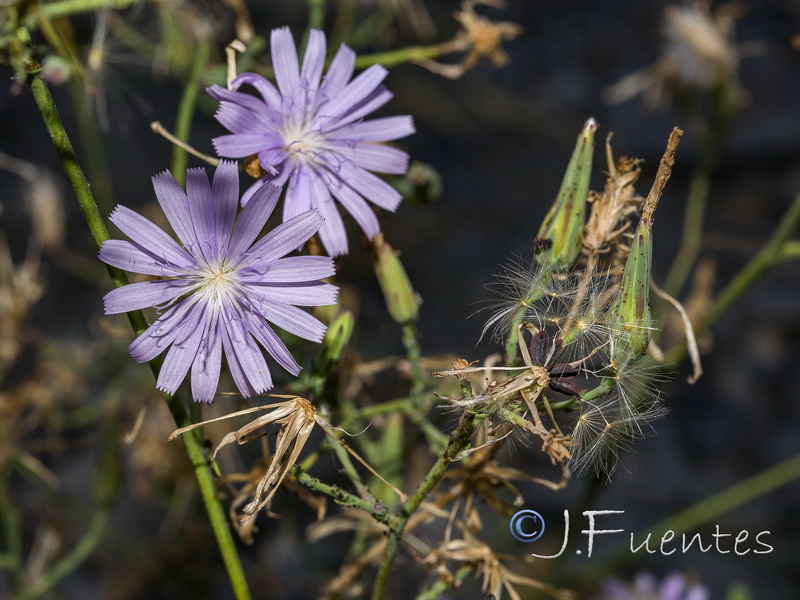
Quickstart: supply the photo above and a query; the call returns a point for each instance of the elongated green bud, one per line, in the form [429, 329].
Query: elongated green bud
[631, 309]
[336, 339]
[559, 238]
[401, 300]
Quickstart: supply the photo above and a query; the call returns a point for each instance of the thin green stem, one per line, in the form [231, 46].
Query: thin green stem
[442, 586]
[458, 440]
[74, 7]
[316, 13]
[192, 442]
[82, 550]
[704, 511]
[399, 56]
[338, 495]
[692, 238]
[183, 125]
[770, 255]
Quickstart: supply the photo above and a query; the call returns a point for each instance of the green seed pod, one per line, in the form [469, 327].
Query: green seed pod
[401, 300]
[559, 239]
[630, 312]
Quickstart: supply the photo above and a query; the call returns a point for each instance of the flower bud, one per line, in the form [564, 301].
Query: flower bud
[631, 310]
[401, 299]
[559, 238]
[336, 339]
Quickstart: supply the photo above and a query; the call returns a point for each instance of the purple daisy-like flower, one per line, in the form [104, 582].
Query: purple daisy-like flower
[222, 286]
[309, 132]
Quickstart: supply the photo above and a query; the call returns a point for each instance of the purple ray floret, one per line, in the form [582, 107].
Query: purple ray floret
[308, 133]
[222, 286]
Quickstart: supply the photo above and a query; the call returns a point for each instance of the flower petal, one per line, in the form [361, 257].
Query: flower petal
[252, 219]
[332, 233]
[234, 366]
[372, 187]
[376, 130]
[313, 293]
[291, 269]
[358, 208]
[370, 104]
[207, 364]
[353, 93]
[244, 347]
[294, 320]
[203, 212]
[313, 61]
[339, 73]
[284, 238]
[136, 296]
[271, 342]
[163, 332]
[272, 99]
[183, 350]
[150, 237]
[225, 190]
[374, 157]
[132, 257]
[299, 193]
[239, 145]
[265, 111]
[284, 61]
[238, 119]
[175, 205]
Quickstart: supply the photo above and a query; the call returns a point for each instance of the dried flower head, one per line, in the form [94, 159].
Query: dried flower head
[221, 287]
[480, 38]
[699, 52]
[311, 133]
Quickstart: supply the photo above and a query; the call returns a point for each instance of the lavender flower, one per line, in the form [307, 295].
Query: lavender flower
[220, 288]
[674, 587]
[311, 134]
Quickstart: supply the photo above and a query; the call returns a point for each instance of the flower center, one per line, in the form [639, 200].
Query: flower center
[302, 143]
[219, 281]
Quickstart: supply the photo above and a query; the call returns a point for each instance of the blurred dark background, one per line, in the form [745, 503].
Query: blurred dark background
[500, 138]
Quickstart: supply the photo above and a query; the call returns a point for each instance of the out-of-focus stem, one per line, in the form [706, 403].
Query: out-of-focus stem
[400, 56]
[183, 125]
[82, 550]
[704, 511]
[770, 255]
[73, 7]
[458, 440]
[11, 533]
[192, 442]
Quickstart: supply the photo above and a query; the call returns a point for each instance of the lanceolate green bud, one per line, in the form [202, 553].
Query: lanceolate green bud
[559, 238]
[336, 339]
[631, 309]
[401, 300]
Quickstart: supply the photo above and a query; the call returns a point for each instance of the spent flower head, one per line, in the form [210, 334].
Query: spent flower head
[309, 132]
[221, 287]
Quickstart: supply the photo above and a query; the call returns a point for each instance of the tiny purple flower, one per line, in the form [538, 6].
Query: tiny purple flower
[310, 133]
[222, 286]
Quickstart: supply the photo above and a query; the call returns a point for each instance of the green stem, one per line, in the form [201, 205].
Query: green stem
[708, 509]
[458, 440]
[183, 125]
[399, 56]
[192, 442]
[771, 254]
[338, 495]
[441, 586]
[73, 7]
[71, 561]
[316, 14]
[692, 238]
